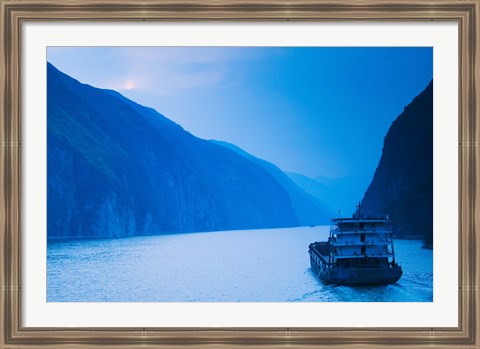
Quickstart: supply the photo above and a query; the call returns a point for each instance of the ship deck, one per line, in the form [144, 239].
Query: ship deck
[322, 250]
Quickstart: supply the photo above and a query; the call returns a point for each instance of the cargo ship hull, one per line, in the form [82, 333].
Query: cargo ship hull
[353, 275]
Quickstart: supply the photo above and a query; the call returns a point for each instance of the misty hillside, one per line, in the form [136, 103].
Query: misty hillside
[403, 182]
[340, 194]
[309, 209]
[116, 168]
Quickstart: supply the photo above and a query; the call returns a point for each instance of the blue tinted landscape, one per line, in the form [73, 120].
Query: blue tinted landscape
[268, 265]
[218, 199]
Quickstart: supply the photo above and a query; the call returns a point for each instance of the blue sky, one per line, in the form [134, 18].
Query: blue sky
[315, 111]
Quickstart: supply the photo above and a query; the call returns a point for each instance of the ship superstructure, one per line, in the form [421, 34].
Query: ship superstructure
[359, 251]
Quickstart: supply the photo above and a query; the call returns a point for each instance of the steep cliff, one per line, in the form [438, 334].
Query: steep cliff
[116, 168]
[403, 182]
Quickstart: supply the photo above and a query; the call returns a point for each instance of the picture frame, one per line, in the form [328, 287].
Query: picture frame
[14, 14]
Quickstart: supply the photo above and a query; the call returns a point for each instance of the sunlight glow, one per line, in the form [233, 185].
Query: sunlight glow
[129, 84]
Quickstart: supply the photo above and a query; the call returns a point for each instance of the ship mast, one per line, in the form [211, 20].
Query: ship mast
[359, 206]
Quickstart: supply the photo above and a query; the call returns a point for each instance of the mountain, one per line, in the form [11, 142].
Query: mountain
[116, 168]
[403, 182]
[340, 194]
[309, 209]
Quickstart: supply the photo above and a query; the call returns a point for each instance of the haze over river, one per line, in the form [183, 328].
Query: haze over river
[270, 265]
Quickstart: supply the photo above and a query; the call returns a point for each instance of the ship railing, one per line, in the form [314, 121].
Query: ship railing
[356, 242]
[360, 243]
[324, 260]
[360, 231]
[386, 239]
[371, 254]
[390, 250]
[385, 236]
[322, 257]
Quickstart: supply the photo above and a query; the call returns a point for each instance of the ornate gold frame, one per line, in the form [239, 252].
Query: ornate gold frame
[15, 12]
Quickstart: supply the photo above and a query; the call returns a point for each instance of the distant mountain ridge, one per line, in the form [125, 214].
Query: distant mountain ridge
[403, 182]
[309, 209]
[340, 194]
[116, 168]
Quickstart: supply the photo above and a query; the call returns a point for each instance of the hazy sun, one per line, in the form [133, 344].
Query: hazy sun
[129, 85]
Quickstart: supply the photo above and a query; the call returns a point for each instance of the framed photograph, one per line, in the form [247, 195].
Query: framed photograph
[239, 174]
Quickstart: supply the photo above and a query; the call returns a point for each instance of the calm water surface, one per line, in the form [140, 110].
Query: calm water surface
[269, 265]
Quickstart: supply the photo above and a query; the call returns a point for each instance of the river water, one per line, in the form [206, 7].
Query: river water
[270, 265]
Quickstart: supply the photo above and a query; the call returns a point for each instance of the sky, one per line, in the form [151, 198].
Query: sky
[317, 111]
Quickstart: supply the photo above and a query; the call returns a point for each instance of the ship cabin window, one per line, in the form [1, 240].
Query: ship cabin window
[346, 226]
[362, 237]
[361, 225]
[363, 249]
